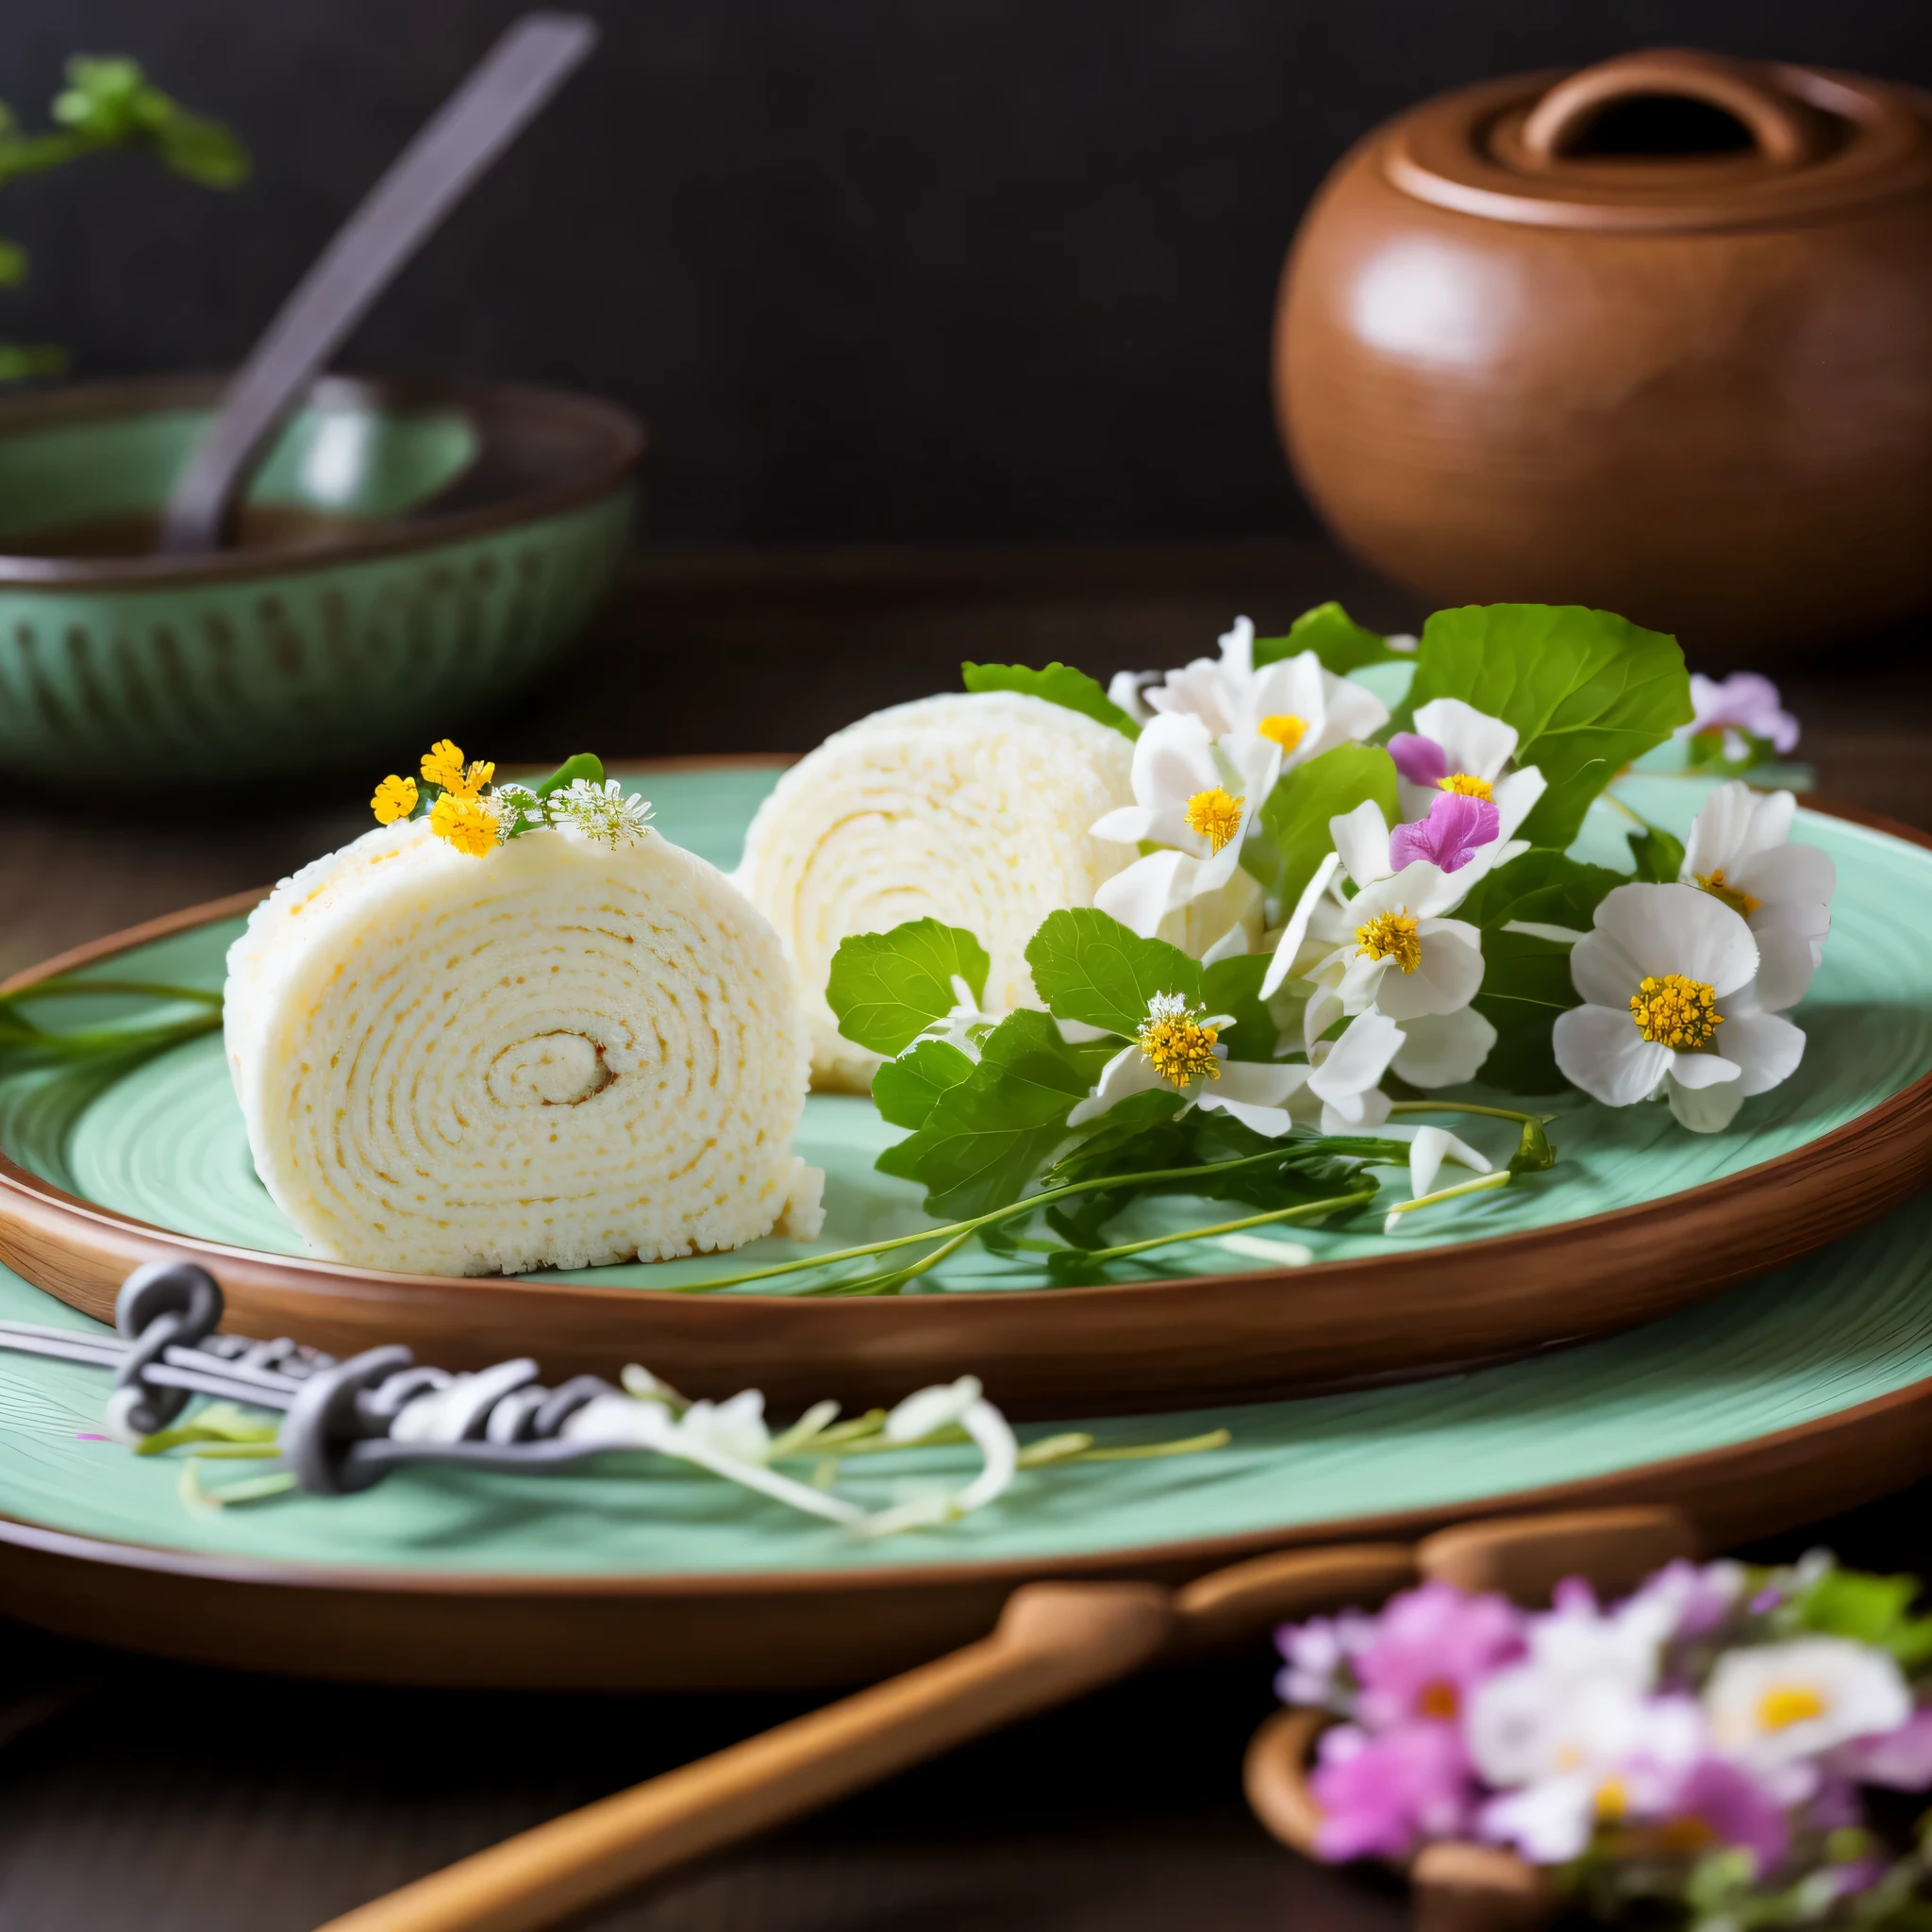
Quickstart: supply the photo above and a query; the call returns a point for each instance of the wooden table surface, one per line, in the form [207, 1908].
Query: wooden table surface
[167, 1797]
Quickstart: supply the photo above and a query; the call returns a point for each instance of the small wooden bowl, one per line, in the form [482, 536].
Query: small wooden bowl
[410, 552]
[1458, 1886]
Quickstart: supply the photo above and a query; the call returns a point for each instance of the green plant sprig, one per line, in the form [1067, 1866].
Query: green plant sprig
[24, 1046]
[108, 104]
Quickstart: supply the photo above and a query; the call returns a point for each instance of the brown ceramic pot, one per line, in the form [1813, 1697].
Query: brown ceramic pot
[1655, 336]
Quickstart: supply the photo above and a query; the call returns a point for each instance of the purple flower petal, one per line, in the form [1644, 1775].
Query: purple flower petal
[1379, 1795]
[1747, 700]
[1735, 1809]
[1901, 1758]
[1456, 829]
[1420, 760]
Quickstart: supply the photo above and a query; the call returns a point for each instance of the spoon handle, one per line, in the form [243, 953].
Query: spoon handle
[1054, 1642]
[434, 172]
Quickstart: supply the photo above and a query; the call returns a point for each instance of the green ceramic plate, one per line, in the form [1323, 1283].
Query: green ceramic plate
[1652, 1216]
[1797, 1393]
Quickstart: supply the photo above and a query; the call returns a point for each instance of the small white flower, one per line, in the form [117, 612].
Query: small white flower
[1454, 747]
[1585, 1738]
[1340, 1089]
[1195, 799]
[1773, 1706]
[925, 1411]
[1668, 979]
[1125, 688]
[1430, 1148]
[1444, 1049]
[1740, 851]
[1293, 704]
[1178, 1050]
[604, 814]
[512, 800]
[1398, 952]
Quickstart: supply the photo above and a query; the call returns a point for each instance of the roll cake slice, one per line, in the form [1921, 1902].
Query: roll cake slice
[973, 808]
[557, 1054]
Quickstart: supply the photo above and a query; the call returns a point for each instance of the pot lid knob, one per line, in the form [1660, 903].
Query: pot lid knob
[1783, 129]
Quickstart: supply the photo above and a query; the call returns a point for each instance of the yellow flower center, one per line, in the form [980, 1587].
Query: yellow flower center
[1214, 815]
[1177, 1046]
[1285, 728]
[1438, 1699]
[468, 824]
[1676, 1012]
[1390, 935]
[1612, 1800]
[1785, 1704]
[395, 798]
[1467, 783]
[1742, 904]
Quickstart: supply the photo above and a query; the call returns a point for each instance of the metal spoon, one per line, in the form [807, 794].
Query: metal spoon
[434, 172]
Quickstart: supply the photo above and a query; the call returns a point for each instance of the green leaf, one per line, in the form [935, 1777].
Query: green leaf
[584, 764]
[1340, 644]
[1870, 1609]
[1059, 684]
[904, 1090]
[1134, 1136]
[1092, 969]
[987, 1137]
[1544, 887]
[1296, 815]
[1710, 752]
[1525, 985]
[1534, 1154]
[1234, 987]
[1586, 690]
[887, 988]
[1659, 853]
[12, 265]
[19, 360]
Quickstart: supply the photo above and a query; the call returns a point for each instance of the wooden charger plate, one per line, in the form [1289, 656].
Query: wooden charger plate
[1771, 1405]
[1640, 1218]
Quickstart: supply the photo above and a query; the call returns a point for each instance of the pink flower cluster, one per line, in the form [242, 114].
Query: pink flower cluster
[1715, 1709]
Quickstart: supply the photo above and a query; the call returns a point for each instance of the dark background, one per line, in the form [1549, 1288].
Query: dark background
[875, 270]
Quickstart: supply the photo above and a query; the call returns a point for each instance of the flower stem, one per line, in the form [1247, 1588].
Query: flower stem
[1500, 1114]
[1501, 1178]
[1190, 1234]
[63, 987]
[1025, 1204]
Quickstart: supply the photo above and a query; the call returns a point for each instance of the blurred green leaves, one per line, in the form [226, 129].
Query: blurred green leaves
[108, 104]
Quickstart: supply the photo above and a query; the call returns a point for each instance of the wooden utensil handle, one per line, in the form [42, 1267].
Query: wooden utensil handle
[1053, 1643]
[1785, 130]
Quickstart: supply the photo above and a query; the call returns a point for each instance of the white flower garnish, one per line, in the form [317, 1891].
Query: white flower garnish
[1775, 1707]
[1669, 982]
[1293, 704]
[605, 813]
[1740, 851]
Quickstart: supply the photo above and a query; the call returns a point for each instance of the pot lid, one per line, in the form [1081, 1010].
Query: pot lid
[1668, 139]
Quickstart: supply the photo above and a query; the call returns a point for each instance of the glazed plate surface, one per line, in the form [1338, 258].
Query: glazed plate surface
[1639, 1218]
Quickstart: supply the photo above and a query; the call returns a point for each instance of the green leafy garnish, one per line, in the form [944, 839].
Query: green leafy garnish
[1869, 1609]
[1295, 818]
[987, 1136]
[1541, 887]
[1059, 684]
[1587, 693]
[1525, 985]
[887, 988]
[1337, 639]
[1092, 969]
[1234, 987]
[1659, 855]
[905, 1089]
[106, 103]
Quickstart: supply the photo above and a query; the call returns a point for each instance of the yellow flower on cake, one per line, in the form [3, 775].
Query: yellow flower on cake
[442, 765]
[467, 824]
[395, 798]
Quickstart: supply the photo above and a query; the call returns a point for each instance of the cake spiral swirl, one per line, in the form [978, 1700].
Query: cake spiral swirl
[556, 1055]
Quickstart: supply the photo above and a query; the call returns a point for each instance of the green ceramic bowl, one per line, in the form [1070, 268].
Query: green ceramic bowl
[410, 552]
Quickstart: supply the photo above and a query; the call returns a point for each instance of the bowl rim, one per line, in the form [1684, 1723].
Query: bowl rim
[618, 443]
